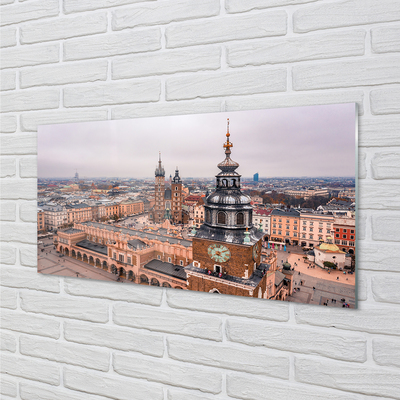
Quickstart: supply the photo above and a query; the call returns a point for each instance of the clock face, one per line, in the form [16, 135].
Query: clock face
[256, 249]
[219, 253]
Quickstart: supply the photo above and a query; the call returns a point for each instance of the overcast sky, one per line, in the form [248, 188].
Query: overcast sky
[284, 142]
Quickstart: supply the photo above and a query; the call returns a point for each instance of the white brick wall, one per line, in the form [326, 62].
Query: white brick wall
[73, 60]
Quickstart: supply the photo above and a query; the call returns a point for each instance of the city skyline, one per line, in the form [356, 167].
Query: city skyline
[314, 141]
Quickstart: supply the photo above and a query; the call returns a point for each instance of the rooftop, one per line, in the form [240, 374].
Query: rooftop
[80, 205]
[96, 247]
[288, 213]
[165, 268]
[71, 231]
[144, 235]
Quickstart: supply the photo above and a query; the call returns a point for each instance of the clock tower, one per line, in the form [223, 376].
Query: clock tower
[227, 247]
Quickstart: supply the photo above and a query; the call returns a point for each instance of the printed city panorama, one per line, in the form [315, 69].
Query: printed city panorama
[255, 203]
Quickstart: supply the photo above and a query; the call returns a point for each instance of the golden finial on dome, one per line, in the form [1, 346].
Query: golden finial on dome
[228, 144]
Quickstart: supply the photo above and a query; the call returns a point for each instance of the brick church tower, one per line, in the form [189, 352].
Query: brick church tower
[159, 205]
[177, 198]
[227, 247]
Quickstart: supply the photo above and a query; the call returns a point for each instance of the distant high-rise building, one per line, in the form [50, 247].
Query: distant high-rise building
[76, 177]
[255, 177]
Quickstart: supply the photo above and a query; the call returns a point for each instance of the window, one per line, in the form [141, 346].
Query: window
[274, 232]
[304, 222]
[208, 216]
[337, 241]
[351, 237]
[274, 219]
[280, 220]
[287, 221]
[311, 237]
[129, 260]
[121, 257]
[337, 235]
[344, 242]
[221, 217]
[287, 233]
[274, 225]
[280, 226]
[295, 228]
[344, 236]
[311, 229]
[351, 244]
[158, 257]
[295, 222]
[344, 230]
[337, 229]
[279, 232]
[295, 234]
[320, 230]
[115, 255]
[181, 263]
[304, 228]
[169, 259]
[287, 227]
[311, 223]
[303, 235]
[217, 268]
[240, 218]
[352, 231]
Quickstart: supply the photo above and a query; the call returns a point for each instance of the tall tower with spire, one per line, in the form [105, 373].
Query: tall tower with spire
[159, 192]
[227, 247]
[176, 197]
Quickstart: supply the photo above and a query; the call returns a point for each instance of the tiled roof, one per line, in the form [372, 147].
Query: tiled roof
[261, 211]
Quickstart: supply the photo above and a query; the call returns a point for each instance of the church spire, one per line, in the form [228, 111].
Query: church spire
[177, 178]
[160, 169]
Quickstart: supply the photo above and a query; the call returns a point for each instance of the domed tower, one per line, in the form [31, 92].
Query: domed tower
[228, 212]
[159, 192]
[227, 247]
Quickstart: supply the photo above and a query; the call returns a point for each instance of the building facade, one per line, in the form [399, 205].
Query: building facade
[285, 226]
[198, 214]
[307, 193]
[40, 221]
[315, 228]
[79, 212]
[262, 220]
[55, 216]
[344, 232]
[129, 207]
